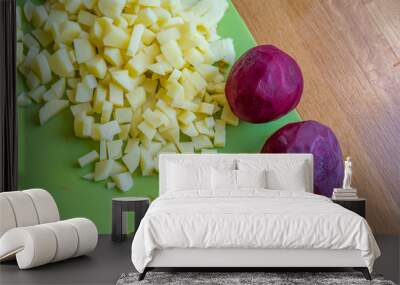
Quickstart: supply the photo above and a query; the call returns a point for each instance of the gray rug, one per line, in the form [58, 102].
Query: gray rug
[243, 278]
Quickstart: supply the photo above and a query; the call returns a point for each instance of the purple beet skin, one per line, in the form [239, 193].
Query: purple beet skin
[264, 84]
[312, 137]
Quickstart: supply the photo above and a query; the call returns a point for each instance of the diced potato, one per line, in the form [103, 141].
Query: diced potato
[40, 66]
[123, 115]
[88, 158]
[69, 31]
[147, 17]
[103, 150]
[155, 118]
[115, 37]
[228, 116]
[90, 81]
[194, 57]
[136, 98]
[30, 41]
[110, 185]
[111, 8]
[206, 108]
[28, 10]
[135, 40]
[83, 125]
[39, 16]
[116, 95]
[223, 50]
[117, 168]
[147, 163]
[99, 97]
[148, 37]
[102, 169]
[72, 6]
[203, 129]
[50, 109]
[132, 157]
[32, 81]
[173, 54]
[60, 63]
[108, 130]
[150, 3]
[113, 56]
[83, 93]
[86, 18]
[37, 93]
[165, 36]
[59, 88]
[114, 149]
[124, 134]
[189, 130]
[20, 53]
[186, 117]
[139, 63]
[49, 95]
[23, 100]
[147, 129]
[201, 141]
[89, 176]
[43, 37]
[84, 50]
[186, 147]
[219, 137]
[123, 181]
[97, 66]
[83, 108]
[106, 111]
[123, 79]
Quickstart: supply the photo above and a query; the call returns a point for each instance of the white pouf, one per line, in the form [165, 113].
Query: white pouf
[31, 233]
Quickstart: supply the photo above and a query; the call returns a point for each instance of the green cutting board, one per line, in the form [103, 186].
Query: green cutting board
[48, 154]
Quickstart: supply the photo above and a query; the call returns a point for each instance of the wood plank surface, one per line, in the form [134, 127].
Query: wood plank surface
[349, 52]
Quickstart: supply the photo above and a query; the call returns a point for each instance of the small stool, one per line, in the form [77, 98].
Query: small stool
[138, 205]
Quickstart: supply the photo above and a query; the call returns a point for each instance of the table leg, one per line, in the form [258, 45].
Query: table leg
[117, 222]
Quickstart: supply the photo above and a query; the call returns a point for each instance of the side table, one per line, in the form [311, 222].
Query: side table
[356, 205]
[138, 205]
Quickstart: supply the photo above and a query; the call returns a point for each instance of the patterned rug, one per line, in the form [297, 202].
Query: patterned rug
[253, 278]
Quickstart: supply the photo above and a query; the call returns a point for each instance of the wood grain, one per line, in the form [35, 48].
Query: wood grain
[349, 52]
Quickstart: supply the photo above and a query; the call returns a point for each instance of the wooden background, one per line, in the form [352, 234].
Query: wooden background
[349, 52]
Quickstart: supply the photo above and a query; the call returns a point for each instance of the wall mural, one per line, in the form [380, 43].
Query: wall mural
[98, 105]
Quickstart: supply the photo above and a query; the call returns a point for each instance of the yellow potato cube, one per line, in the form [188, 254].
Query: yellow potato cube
[43, 37]
[148, 36]
[203, 129]
[83, 93]
[72, 6]
[224, 50]
[106, 111]
[30, 42]
[169, 148]
[83, 125]
[111, 8]
[41, 67]
[50, 109]
[90, 81]
[147, 163]
[59, 88]
[60, 63]
[32, 81]
[83, 108]
[123, 115]
[193, 56]
[113, 56]
[186, 117]
[102, 169]
[186, 147]
[103, 150]
[155, 118]
[150, 3]
[123, 79]
[88, 158]
[173, 54]
[167, 35]
[124, 134]
[89, 176]
[139, 63]
[86, 18]
[49, 95]
[147, 129]
[161, 68]
[116, 95]
[228, 116]
[89, 4]
[97, 66]
[136, 98]
[132, 158]
[114, 149]
[209, 122]
[108, 130]
[189, 130]
[171, 134]
[135, 40]
[69, 31]
[84, 50]
[201, 141]
[147, 17]
[206, 108]
[114, 36]
[39, 16]
[99, 97]
[37, 93]
[117, 168]
[219, 138]
[175, 91]
[123, 181]
[207, 71]
[28, 10]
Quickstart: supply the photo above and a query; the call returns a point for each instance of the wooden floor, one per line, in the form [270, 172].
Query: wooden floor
[349, 52]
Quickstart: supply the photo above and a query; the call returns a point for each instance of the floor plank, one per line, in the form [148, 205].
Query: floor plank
[349, 54]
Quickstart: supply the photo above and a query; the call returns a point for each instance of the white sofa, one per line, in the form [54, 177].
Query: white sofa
[31, 231]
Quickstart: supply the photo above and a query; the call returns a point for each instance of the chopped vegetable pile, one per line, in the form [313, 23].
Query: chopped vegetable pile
[141, 77]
